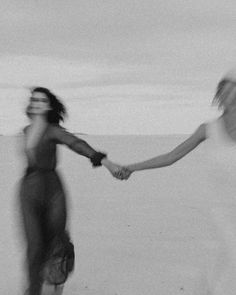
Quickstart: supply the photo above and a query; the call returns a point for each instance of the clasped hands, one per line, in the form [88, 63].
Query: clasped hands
[119, 172]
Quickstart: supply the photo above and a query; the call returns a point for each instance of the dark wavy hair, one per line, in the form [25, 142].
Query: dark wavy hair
[58, 111]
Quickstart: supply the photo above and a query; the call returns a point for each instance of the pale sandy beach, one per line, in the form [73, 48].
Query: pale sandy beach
[126, 67]
[150, 235]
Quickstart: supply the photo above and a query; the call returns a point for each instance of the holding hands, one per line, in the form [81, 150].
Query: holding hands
[123, 173]
[118, 171]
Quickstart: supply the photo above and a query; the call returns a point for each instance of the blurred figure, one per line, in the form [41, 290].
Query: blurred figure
[50, 253]
[221, 137]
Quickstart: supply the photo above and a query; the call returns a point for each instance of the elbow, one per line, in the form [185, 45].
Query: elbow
[81, 147]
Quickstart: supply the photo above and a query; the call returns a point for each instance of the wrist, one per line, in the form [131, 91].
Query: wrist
[98, 159]
[131, 168]
[106, 163]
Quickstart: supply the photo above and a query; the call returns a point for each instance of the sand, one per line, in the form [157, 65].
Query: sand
[152, 234]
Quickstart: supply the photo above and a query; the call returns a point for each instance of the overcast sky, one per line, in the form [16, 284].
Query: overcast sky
[123, 66]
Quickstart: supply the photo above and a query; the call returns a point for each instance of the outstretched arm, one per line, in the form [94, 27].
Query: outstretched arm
[81, 147]
[171, 157]
[76, 144]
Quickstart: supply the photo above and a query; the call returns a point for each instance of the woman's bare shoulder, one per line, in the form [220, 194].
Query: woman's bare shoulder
[209, 125]
[200, 133]
[55, 131]
[55, 128]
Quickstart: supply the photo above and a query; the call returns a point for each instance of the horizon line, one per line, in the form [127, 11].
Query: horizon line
[115, 134]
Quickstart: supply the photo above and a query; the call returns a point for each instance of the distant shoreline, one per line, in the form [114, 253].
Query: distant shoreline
[119, 135]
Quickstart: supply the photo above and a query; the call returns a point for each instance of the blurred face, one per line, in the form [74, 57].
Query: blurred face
[39, 103]
[229, 97]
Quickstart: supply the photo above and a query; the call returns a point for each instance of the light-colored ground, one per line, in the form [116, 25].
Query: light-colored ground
[153, 234]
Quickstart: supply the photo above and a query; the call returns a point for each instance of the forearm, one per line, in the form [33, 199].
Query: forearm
[175, 155]
[156, 162]
[82, 148]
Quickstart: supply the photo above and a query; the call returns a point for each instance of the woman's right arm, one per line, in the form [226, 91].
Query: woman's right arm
[173, 156]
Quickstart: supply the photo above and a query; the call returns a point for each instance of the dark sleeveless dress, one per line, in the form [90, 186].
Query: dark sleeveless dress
[50, 253]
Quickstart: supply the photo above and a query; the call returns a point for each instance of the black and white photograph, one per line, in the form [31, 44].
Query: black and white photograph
[118, 147]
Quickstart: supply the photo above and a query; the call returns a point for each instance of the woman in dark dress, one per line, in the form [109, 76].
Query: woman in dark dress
[50, 255]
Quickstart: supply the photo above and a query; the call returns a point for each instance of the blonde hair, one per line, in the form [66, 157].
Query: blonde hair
[220, 92]
[217, 100]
